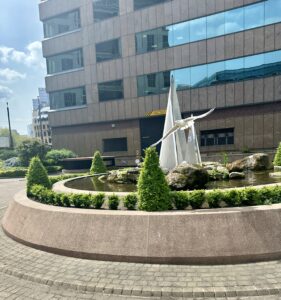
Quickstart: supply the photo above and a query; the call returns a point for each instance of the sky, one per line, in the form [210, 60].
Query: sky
[22, 67]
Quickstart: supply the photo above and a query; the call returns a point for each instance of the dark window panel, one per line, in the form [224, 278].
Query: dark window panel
[108, 50]
[112, 90]
[115, 145]
[138, 4]
[215, 137]
[68, 98]
[104, 9]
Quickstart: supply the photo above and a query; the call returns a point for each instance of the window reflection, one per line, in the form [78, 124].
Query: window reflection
[198, 29]
[249, 67]
[111, 90]
[108, 50]
[254, 15]
[68, 98]
[215, 25]
[272, 11]
[234, 21]
[104, 9]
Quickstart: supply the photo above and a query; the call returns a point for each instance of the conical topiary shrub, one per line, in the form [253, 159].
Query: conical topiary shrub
[36, 174]
[98, 165]
[153, 190]
[277, 158]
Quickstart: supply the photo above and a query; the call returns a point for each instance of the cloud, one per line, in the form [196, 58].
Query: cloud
[31, 57]
[8, 75]
[5, 93]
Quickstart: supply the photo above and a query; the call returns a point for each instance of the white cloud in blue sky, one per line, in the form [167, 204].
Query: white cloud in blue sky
[22, 67]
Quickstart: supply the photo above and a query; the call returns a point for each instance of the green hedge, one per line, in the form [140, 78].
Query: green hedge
[13, 172]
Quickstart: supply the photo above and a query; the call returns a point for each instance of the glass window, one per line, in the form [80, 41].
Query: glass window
[138, 4]
[163, 81]
[254, 15]
[272, 63]
[215, 25]
[62, 23]
[65, 61]
[198, 29]
[179, 34]
[272, 11]
[108, 50]
[223, 136]
[234, 69]
[68, 98]
[182, 78]
[111, 90]
[198, 76]
[254, 66]
[104, 9]
[234, 20]
[115, 145]
[216, 72]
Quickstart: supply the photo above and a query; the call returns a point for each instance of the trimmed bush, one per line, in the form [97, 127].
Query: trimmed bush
[153, 190]
[277, 158]
[98, 166]
[37, 174]
[53, 169]
[197, 198]
[250, 196]
[214, 198]
[130, 201]
[13, 172]
[232, 198]
[113, 202]
[180, 200]
[7, 153]
[66, 200]
[54, 156]
[98, 200]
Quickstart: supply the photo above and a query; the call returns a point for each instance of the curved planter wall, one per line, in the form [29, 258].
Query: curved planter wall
[199, 237]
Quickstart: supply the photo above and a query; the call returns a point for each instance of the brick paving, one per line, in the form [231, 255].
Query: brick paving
[27, 273]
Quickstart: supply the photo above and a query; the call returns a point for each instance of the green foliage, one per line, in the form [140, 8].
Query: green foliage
[53, 169]
[29, 149]
[113, 202]
[225, 159]
[197, 198]
[214, 198]
[250, 196]
[37, 174]
[180, 200]
[17, 138]
[55, 179]
[130, 201]
[98, 200]
[7, 153]
[232, 198]
[13, 172]
[98, 166]
[153, 190]
[277, 158]
[55, 156]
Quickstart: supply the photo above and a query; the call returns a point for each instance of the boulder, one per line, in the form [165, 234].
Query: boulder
[124, 176]
[12, 162]
[275, 175]
[216, 171]
[255, 162]
[237, 175]
[187, 176]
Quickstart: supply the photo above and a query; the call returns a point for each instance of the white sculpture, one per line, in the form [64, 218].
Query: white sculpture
[176, 148]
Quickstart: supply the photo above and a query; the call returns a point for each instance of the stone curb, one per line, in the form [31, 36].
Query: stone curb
[111, 289]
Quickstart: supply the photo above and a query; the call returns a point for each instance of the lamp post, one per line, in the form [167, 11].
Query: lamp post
[40, 120]
[10, 130]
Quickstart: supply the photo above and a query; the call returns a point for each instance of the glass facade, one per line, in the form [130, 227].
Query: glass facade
[111, 90]
[115, 145]
[65, 61]
[138, 4]
[62, 23]
[217, 137]
[243, 68]
[68, 98]
[104, 9]
[108, 50]
[235, 20]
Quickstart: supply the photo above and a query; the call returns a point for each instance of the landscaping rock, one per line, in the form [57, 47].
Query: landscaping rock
[237, 175]
[275, 175]
[187, 176]
[255, 162]
[277, 168]
[123, 176]
[12, 162]
[216, 171]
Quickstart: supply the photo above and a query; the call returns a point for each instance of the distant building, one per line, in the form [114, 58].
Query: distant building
[30, 131]
[109, 64]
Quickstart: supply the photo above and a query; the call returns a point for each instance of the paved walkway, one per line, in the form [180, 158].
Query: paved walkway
[27, 273]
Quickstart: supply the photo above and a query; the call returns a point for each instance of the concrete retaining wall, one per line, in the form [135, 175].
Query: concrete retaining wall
[200, 237]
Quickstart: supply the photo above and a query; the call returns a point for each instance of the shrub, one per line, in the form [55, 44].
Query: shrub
[98, 166]
[130, 201]
[66, 200]
[277, 158]
[113, 202]
[29, 149]
[180, 200]
[153, 190]
[53, 169]
[54, 156]
[7, 153]
[232, 198]
[77, 200]
[98, 200]
[196, 199]
[37, 174]
[13, 172]
[214, 198]
[250, 196]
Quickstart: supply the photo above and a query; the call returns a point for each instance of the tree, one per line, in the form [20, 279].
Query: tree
[30, 148]
[98, 165]
[17, 138]
[36, 174]
[56, 155]
[277, 158]
[153, 190]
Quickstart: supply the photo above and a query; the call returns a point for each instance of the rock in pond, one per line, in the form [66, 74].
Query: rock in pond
[237, 175]
[255, 162]
[187, 176]
[129, 175]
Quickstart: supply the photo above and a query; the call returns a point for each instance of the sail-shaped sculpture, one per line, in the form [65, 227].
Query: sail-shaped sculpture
[176, 148]
[173, 149]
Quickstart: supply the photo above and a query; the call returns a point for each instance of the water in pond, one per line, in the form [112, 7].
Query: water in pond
[94, 184]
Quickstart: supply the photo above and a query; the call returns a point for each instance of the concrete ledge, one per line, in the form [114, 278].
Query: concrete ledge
[231, 235]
